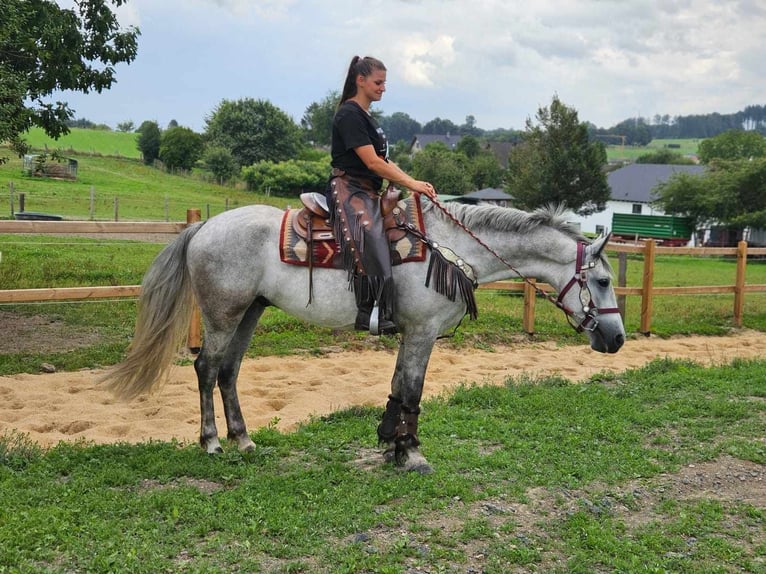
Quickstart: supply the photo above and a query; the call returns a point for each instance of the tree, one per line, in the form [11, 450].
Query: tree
[148, 142]
[486, 171]
[449, 171]
[180, 148]
[441, 127]
[253, 130]
[469, 145]
[46, 48]
[557, 164]
[469, 127]
[221, 163]
[126, 126]
[731, 145]
[317, 120]
[400, 127]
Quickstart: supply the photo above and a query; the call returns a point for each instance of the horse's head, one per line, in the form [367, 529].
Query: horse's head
[589, 301]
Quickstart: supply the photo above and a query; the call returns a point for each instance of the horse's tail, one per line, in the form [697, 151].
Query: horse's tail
[164, 311]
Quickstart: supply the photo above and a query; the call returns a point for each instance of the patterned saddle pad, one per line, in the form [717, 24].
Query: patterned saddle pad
[294, 243]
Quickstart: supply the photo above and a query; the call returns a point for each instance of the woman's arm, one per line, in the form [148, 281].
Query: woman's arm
[392, 172]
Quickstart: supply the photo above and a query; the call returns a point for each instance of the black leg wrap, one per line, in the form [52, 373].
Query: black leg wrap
[406, 434]
[391, 418]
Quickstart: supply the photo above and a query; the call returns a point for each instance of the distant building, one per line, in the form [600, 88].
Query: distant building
[493, 195]
[420, 141]
[44, 166]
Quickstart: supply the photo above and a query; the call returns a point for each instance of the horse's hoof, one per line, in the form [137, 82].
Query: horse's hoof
[422, 468]
[212, 446]
[409, 460]
[249, 447]
[416, 462]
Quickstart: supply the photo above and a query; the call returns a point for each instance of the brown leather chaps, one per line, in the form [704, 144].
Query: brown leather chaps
[358, 224]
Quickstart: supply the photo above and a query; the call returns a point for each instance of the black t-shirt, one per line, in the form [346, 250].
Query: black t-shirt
[352, 127]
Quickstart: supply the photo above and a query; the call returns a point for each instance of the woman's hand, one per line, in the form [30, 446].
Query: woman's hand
[423, 187]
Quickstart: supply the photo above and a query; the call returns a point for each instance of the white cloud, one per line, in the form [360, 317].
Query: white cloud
[421, 60]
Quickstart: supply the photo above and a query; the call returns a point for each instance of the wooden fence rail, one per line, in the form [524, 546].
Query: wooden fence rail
[647, 291]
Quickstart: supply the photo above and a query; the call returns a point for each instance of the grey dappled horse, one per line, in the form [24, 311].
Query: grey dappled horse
[230, 264]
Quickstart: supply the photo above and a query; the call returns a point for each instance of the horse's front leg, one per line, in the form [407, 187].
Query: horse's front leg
[399, 428]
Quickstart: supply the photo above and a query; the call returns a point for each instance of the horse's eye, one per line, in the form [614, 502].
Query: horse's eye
[604, 282]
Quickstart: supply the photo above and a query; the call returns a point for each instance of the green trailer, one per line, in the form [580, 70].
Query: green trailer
[667, 229]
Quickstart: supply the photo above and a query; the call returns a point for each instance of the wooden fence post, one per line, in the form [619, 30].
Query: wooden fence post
[622, 281]
[739, 284]
[529, 306]
[22, 202]
[646, 288]
[194, 339]
[10, 188]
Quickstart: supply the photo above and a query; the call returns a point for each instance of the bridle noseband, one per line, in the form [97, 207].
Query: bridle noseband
[589, 309]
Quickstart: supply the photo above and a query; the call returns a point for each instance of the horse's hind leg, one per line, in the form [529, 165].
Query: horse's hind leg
[219, 358]
[228, 373]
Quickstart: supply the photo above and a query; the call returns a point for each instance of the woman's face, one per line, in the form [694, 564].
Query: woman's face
[372, 86]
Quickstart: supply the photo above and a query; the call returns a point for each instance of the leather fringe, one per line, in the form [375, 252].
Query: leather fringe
[450, 281]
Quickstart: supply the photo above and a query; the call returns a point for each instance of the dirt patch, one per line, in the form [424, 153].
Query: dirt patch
[21, 333]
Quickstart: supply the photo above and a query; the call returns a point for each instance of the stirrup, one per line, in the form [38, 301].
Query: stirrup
[377, 327]
[374, 320]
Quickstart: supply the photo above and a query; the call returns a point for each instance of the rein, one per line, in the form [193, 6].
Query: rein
[588, 306]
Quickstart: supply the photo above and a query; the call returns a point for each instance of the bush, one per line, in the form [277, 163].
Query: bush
[287, 178]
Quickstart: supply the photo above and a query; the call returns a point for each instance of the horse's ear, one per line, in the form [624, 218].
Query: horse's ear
[599, 243]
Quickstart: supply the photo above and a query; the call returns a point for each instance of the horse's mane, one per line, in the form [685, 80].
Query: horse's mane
[477, 217]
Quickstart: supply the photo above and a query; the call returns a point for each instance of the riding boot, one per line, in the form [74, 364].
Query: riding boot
[368, 312]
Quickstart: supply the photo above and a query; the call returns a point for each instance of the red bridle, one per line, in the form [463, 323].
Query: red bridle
[586, 299]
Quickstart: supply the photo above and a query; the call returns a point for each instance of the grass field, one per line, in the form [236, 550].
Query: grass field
[84, 142]
[686, 147]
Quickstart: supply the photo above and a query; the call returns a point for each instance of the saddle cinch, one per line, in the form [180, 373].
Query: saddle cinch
[307, 237]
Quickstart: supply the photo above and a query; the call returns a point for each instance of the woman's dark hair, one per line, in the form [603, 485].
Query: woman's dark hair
[359, 67]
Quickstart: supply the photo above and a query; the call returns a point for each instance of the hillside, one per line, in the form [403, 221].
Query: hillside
[139, 192]
[83, 141]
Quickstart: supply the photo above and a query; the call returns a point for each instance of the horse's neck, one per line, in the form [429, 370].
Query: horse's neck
[539, 253]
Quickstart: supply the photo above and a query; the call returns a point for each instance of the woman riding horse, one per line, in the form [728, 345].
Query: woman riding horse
[360, 164]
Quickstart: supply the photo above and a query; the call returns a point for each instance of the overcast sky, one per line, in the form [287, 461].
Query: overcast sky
[498, 60]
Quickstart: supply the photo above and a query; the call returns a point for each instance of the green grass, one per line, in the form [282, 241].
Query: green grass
[687, 147]
[83, 141]
[535, 476]
[143, 193]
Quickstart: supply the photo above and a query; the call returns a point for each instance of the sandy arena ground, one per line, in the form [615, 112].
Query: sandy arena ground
[71, 406]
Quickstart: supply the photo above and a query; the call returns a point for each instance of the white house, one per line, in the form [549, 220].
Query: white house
[631, 192]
